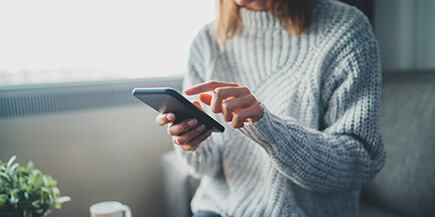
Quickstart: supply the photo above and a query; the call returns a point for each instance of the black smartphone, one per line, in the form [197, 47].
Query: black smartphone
[168, 100]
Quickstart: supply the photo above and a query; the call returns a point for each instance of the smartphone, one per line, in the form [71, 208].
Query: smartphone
[168, 100]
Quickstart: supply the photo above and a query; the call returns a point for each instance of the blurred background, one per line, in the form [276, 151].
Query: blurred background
[67, 69]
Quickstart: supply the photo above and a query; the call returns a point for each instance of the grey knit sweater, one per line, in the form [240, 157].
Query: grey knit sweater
[318, 141]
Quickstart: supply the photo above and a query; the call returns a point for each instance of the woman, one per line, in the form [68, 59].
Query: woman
[299, 82]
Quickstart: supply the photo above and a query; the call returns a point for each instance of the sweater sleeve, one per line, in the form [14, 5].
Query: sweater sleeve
[348, 151]
[205, 160]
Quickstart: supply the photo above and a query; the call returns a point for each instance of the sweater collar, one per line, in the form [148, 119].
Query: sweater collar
[258, 19]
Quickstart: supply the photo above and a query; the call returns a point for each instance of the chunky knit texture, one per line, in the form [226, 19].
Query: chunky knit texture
[319, 140]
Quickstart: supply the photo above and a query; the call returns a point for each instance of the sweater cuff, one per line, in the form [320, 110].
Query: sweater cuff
[261, 131]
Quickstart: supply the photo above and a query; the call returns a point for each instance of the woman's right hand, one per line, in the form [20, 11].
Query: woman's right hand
[188, 134]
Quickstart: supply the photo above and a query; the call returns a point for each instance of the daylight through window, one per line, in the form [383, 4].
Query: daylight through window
[50, 41]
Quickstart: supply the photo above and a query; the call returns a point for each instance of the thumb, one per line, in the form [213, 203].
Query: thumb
[205, 98]
[197, 104]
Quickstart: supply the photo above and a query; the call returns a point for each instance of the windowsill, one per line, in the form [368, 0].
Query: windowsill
[149, 80]
[42, 99]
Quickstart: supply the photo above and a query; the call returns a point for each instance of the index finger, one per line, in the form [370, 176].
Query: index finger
[208, 86]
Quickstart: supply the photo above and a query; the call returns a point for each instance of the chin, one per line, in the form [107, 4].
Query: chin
[243, 2]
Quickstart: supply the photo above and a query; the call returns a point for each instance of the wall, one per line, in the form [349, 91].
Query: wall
[96, 154]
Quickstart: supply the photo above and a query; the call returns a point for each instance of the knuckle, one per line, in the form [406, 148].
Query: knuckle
[227, 117]
[227, 111]
[226, 106]
[260, 109]
[252, 98]
[233, 123]
[236, 124]
[230, 106]
[236, 117]
[218, 91]
[214, 110]
[237, 120]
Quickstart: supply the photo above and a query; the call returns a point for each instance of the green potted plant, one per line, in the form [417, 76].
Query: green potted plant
[26, 192]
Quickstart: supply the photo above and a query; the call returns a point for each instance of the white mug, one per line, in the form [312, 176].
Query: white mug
[110, 209]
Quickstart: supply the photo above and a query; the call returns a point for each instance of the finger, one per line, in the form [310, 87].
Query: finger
[163, 119]
[223, 93]
[205, 98]
[182, 127]
[190, 135]
[208, 86]
[231, 92]
[196, 141]
[233, 105]
[250, 114]
[197, 104]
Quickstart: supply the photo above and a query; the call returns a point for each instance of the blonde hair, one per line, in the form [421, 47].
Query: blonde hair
[293, 15]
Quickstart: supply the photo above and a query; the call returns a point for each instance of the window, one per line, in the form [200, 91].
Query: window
[50, 41]
[405, 32]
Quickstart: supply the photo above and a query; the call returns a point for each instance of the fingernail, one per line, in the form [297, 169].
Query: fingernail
[200, 128]
[171, 117]
[192, 122]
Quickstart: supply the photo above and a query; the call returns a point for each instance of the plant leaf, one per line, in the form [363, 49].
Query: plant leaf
[23, 171]
[11, 161]
[35, 204]
[3, 201]
[45, 180]
[27, 213]
[14, 197]
[63, 199]
[5, 177]
[13, 168]
[26, 191]
[39, 211]
[36, 178]
[30, 166]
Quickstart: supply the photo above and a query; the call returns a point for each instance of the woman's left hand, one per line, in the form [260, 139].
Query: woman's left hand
[236, 103]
